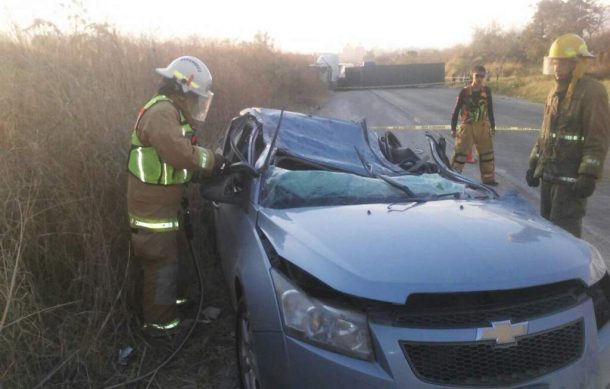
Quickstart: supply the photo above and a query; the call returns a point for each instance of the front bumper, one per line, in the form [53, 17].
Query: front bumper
[300, 365]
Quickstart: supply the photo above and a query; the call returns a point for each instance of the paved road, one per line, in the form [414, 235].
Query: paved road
[398, 108]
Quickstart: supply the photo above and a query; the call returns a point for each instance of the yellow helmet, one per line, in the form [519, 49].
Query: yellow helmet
[569, 46]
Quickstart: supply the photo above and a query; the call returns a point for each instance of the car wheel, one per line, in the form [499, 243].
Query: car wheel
[246, 356]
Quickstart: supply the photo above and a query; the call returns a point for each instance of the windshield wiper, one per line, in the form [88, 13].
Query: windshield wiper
[433, 197]
[400, 186]
[369, 168]
[455, 195]
[421, 200]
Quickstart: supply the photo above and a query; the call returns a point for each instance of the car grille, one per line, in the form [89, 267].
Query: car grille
[479, 309]
[488, 364]
[487, 315]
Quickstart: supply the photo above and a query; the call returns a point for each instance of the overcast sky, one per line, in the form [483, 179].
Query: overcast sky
[309, 26]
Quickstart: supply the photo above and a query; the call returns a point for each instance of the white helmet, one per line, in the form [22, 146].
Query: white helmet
[193, 76]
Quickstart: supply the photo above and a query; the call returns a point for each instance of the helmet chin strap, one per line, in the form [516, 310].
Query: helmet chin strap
[186, 106]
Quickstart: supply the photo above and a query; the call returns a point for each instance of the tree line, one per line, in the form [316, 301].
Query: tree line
[507, 49]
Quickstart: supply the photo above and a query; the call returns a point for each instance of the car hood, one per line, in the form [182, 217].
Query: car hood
[386, 252]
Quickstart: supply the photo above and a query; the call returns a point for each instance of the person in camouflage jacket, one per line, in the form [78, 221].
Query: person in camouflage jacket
[474, 108]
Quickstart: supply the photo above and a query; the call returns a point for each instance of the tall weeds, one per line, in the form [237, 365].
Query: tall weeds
[67, 103]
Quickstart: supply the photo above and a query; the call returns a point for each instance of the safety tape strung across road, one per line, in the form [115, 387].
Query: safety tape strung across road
[344, 88]
[441, 127]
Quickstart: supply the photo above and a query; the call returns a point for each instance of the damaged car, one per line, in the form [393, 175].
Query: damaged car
[355, 262]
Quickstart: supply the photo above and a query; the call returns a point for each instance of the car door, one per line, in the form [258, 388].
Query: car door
[233, 215]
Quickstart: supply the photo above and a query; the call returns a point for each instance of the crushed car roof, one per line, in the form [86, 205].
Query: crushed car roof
[329, 142]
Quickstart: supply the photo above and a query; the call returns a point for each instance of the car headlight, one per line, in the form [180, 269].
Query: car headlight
[600, 287]
[597, 266]
[319, 323]
[600, 294]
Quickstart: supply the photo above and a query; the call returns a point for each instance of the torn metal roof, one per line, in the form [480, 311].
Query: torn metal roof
[330, 142]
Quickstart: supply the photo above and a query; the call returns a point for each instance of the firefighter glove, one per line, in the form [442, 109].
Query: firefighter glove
[531, 180]
[584, 186]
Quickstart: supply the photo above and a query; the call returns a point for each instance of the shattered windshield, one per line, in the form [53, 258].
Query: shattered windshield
[309, 188]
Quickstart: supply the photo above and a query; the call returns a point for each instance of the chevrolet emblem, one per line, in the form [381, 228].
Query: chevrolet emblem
[503, 332]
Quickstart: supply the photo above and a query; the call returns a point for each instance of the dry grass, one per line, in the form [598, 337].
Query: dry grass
[67, 103]
[533, 88]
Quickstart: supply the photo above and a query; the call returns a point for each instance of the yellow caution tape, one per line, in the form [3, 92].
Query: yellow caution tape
[398, 86]
[441, 127]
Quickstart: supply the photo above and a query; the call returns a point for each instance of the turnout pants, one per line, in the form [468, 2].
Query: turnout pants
[560, 205]
[157, 256]
[479, 134]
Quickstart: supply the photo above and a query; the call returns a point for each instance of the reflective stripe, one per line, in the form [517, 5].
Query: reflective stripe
[203, 158]
[141, 163]
[548, 177]
[568, 137]
[172, 324]
[165, 178]
[570, 52]
[591, 161]
[159, 225]
[181, 76]
[181, 301]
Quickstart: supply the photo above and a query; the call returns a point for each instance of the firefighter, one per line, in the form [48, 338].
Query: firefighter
[163, 156]
[568, 156]
[474, 108]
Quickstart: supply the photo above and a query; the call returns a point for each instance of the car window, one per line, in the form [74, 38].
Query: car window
[307, 188]
[240, 141]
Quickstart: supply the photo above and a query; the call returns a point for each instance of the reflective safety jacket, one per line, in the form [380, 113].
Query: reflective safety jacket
[573, 139]
[162, 157]
[470, 110]
[144, 161]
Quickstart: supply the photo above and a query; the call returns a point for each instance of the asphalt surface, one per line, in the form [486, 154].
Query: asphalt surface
[411, 112]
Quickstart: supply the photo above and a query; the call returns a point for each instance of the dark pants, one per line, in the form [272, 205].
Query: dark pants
[560, 205]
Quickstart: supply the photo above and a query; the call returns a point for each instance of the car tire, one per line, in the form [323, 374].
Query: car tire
[246, 355]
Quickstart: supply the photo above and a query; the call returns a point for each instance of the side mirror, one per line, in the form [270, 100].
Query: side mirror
[241, 168]
[230, 186]
[227, 189]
